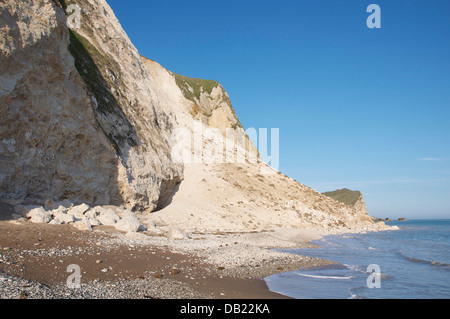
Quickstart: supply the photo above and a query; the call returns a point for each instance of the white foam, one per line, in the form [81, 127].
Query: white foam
[325, 277]
[356, 268]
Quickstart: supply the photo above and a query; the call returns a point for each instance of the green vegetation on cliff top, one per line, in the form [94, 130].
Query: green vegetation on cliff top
[345, 196]
[192, 88]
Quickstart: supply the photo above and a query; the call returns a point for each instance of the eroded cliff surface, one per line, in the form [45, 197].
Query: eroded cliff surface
[80, 120]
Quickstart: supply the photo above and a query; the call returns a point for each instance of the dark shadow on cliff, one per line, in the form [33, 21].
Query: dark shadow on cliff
[96, 68]
[89, 61]
[6, 211]
[168, 191]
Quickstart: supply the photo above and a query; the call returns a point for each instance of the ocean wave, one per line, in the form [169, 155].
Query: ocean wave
[356, 268]
[423, 261]
[326, 277]
[440, 264]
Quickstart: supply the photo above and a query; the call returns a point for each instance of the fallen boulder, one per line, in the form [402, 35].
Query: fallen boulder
[39, 216]
[78, 211]
[108, 217]
[129, 224]
[175, 234]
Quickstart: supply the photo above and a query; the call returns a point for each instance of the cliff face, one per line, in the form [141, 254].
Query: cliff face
[80, 120]
[204, 112]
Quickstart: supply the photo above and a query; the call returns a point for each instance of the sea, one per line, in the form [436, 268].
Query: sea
[410, 263]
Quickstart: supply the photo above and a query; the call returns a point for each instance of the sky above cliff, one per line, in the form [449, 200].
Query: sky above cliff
[366, 109]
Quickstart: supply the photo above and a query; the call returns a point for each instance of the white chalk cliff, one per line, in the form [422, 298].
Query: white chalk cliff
[86, 118]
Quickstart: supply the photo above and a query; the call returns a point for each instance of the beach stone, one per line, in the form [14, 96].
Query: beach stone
[152, 229]
[64, 218]
[39, 215]
[150, 223]
[56, 221]
[93, 221]
[108, 217]
[127, 213]
[91, 213]
[60, 209]
[79, 210]
[176, 234]
[137, 236]
[83, 224]
[129, 224]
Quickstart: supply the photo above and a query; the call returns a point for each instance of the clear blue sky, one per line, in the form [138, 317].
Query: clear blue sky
[366, 109]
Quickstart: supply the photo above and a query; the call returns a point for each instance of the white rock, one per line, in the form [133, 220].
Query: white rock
[126, 213]
[64, 218]
[129, 224]
[39, 216]
[175, 234]
[150, 223]
[138, 236]
[83, 224]
[56, 221]
[93, 221]
[91, 213]
[59, 209]
[79, 210]
[108, 217]
[154, 231]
